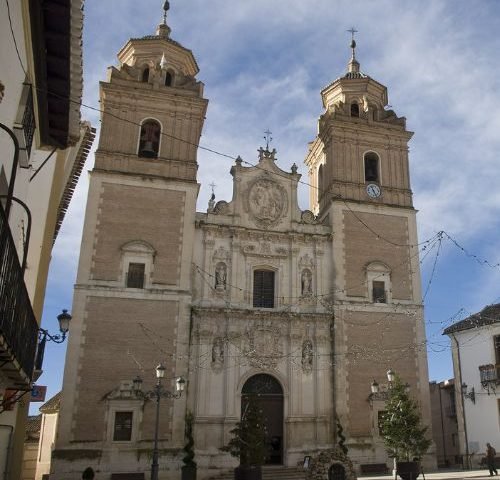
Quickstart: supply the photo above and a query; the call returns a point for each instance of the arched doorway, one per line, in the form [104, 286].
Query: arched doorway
[269, 396]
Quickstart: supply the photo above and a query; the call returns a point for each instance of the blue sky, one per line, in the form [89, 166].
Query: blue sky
[264, 62]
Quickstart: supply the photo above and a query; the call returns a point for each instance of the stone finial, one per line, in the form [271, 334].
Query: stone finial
[163, 62]
[353, 65]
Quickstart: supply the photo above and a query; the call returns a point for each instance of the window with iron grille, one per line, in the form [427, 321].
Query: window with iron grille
[378, 290]
[135, 275]
[263, 288]
[123, 427]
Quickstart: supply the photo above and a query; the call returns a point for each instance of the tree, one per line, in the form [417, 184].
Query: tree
[249, 435]
[402, 429]
[188, 448]
[341, 437]
[189, 468]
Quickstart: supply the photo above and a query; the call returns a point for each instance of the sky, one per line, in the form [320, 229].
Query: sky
[264, 63]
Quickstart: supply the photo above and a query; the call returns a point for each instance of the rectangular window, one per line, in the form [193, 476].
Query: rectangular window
[135, 275]
[378, 291]
[263, 289]
[123, 427]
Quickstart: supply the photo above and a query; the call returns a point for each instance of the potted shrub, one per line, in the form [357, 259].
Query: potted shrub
[248, 443]
[404, 435]
[189, 467]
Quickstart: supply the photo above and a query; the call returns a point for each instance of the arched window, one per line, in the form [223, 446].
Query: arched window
[354, 109]
[145, 75]
[169, 79]
[372, 167]
[149, 142]
[263, 289]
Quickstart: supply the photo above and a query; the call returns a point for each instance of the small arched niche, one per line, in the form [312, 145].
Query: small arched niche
[145, 75]
[169, 78]
[354, 109]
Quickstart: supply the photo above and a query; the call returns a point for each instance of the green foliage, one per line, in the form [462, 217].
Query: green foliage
[249, 436]
[341, 437]
[402, 430]
[188, 448]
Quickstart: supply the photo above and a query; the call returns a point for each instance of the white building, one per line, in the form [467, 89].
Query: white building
[475, 345]
[40, 95]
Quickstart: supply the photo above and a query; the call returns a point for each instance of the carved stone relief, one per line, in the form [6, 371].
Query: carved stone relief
[308, 217]
[307, 356]
[306, 261]
[306, 282]
[218, 353]
[266, 203]
[220, 276]
[263, 347]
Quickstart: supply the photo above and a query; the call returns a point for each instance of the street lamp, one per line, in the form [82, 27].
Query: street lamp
[44, 336]
[157, 393]
[470, 395]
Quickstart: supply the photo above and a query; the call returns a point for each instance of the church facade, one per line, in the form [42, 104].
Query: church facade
[304, 308]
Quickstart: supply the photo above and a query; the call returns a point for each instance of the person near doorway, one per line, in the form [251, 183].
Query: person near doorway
[490, 459]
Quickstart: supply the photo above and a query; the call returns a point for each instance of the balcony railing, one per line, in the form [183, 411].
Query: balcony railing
[18, 326]
[489, 373]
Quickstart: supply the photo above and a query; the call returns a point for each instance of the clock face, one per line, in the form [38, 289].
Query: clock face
[373, 190]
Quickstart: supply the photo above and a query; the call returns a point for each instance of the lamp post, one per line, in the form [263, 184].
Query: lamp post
[157, 393]
[470, 395]
[44, 336]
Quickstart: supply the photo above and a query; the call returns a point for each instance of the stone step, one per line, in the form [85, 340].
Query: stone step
[268, 473]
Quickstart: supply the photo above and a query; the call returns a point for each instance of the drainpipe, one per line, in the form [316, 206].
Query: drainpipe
[463, 401]
[8, 449]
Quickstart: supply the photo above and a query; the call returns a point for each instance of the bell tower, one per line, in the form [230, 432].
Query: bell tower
[132, 297]
[359, 172]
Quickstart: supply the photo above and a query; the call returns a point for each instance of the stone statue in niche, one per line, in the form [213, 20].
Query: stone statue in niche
[307, 356]
[220, 276]
[218, 351]
[306, 280]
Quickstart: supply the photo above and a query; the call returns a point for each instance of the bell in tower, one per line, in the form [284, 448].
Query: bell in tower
[150, 139]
